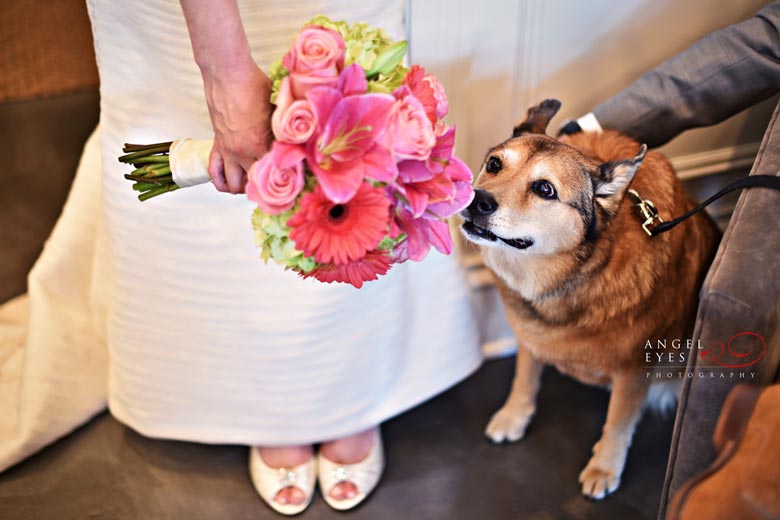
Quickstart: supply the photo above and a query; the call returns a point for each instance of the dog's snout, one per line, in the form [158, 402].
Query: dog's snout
[483, 204]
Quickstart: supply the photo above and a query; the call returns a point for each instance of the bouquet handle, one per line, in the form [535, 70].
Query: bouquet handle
[166, 167]
[190, 161]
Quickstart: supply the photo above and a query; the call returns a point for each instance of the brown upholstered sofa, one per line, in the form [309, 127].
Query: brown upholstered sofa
[740, 294]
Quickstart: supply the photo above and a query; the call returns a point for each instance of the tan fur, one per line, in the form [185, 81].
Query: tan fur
[589, 307]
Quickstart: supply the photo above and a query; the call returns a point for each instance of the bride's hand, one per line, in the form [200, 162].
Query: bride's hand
[240, 109]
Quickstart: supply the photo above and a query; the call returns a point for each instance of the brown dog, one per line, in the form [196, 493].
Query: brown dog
[583, 284]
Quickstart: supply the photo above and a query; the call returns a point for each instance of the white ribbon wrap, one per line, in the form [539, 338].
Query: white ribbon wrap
[190, 161]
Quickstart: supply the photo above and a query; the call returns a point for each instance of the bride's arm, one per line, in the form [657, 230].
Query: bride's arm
[237, 91]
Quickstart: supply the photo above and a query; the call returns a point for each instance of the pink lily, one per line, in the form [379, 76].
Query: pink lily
[345, 148]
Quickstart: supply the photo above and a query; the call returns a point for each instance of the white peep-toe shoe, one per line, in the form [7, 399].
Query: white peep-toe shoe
[269, 481]
[364, 475]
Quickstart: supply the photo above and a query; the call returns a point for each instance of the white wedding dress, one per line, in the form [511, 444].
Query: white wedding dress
[164, 310]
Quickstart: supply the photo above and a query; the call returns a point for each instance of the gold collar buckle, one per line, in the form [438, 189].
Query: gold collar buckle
[647, 210]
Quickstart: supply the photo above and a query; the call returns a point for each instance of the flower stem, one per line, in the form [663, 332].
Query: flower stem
[145, 147]
[150, 159]
[144, 186]
[143, 153]
[166, 179]
[147, 169]
[152, 174]
[157, 191]
[159, 172]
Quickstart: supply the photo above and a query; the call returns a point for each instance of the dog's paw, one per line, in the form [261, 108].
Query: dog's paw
[508, 425]
[598, 483]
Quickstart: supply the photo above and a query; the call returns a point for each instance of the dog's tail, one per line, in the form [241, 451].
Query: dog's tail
[662, 397]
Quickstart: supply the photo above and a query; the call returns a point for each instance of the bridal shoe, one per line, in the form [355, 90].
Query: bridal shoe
[269, 481]
[364, 475]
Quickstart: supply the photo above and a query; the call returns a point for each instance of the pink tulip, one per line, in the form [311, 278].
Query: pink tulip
[442, 151]
[413, 171]
[460, 176]
[433, 195]
[413, 178]
[421, 234]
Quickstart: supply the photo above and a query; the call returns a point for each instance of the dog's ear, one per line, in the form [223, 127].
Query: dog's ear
[613, 179]
[538, 118]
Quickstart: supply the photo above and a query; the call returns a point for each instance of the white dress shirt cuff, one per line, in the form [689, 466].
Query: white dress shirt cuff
[589, 123]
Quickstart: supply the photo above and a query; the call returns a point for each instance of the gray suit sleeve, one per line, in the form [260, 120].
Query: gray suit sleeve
[720, 75]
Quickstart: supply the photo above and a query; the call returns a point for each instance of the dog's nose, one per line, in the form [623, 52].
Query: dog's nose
[483, 204]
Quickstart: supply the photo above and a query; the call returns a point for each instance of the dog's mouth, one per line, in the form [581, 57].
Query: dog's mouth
[474, 230]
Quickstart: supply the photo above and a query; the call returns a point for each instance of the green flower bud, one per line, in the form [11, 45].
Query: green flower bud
[388, 59]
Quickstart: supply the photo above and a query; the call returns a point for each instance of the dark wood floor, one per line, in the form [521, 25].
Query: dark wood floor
[439, 466]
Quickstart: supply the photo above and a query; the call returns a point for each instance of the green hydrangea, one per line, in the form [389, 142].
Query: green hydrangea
[277, 72]
[387, 83]
[387, 243]
[272, 237]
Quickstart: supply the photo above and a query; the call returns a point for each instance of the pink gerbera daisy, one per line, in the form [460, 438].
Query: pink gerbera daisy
[340, 233]
[370, 267]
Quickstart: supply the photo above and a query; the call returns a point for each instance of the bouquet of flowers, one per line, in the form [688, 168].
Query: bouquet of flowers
[361, 173]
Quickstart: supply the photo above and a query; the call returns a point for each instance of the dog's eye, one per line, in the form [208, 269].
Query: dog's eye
[493, 164]
[544, 189]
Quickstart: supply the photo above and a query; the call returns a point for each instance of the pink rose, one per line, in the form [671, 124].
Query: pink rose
[293, 121]
[303, 83]
[316, 50]
[276, 180]
[315, 59]
[442, 106]
[410, 134]
[425, 87]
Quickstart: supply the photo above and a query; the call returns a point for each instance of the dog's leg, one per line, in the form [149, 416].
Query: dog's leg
[510, 422]
[602, 474]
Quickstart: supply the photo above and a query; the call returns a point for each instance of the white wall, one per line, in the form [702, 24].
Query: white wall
[498, 57]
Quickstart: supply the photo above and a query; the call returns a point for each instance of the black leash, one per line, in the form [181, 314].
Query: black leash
[650, 214]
